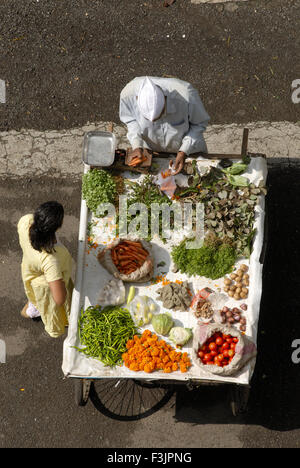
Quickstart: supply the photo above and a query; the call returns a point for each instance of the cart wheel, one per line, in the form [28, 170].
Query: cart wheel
[82, 391]
[128, 399]
[239, 399]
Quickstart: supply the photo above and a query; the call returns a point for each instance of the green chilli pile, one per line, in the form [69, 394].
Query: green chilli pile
[104, 333]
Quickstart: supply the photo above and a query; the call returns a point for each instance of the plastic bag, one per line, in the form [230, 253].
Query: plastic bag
[142, 309]
[113, 293]
[166, 182]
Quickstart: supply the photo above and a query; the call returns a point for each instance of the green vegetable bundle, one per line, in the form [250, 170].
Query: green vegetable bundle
[211, 260]
[236, 169]
[104, 332]
[147, 193]
[98, 186]
[229, 200]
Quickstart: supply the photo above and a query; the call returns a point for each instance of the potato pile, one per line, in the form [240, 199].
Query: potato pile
[237, 285]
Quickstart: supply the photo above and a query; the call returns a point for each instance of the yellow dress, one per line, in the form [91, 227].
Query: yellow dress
[40, 268]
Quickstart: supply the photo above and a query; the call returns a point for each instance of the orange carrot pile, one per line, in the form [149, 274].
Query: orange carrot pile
[128, 256]
[137, 160]
[147, 353]
[166, 174]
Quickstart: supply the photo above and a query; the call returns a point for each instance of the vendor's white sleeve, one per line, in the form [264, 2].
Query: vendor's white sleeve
[193, 141]
[133, 129]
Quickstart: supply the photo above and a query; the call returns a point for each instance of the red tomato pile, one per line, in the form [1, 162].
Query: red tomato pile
[218, 350]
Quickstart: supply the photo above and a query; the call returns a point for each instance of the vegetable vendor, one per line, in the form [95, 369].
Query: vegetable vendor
[46, 268]
[164, 115]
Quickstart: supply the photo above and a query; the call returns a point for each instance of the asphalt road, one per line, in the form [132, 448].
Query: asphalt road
[64, 64]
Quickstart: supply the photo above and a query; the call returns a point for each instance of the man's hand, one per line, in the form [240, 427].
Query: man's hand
[179, 162]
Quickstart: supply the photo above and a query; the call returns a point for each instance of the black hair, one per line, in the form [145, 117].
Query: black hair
[48, 217]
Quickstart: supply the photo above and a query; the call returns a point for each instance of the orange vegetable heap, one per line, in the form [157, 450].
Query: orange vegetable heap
[137, 160]
[147, 353]
[166, 174]
[128, 256]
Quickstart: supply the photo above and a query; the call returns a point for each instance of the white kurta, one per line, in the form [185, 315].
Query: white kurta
[181, 126]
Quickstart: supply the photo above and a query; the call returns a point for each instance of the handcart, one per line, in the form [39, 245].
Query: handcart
[90, 276]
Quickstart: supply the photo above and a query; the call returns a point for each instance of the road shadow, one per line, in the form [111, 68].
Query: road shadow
[275, 387]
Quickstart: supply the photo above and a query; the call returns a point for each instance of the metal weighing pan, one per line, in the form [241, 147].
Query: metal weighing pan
[99, 148]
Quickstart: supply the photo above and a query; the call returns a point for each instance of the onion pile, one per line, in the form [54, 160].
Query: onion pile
[234, 316]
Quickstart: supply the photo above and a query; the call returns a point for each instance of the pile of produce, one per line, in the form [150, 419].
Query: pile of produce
[234, 316]
[213, 260]
[229, 201]
[137, 160]
[237, 285]
[203, 309]
[219, 350]
[98, 187]
[147, 353]
[128, 259]
[201, 306]
[104, 333]
[145, 192]
[175, 296]
[128, 256]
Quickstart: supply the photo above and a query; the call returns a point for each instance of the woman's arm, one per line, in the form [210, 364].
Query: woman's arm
[58, 291]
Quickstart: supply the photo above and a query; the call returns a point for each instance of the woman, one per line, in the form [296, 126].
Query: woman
[46, 268]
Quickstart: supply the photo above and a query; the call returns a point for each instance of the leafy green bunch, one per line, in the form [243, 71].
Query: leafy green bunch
[229, 201]
[98, 186]
[147, 193]
[213, 260]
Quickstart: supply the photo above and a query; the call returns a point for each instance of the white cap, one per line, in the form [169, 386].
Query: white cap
[151, 100]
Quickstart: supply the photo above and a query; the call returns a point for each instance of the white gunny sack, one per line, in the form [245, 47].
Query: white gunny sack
[143, 273]
[244, 351]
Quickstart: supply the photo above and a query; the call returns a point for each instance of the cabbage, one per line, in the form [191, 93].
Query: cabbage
[180, 336]
[162, 323]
